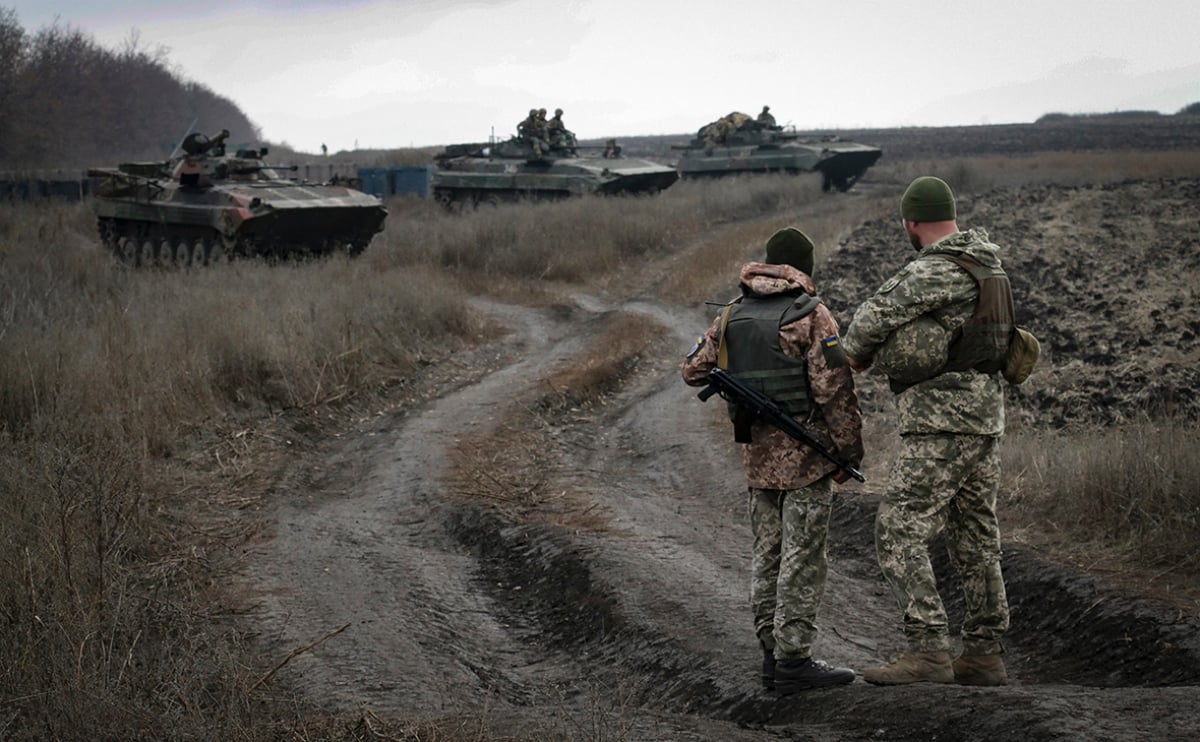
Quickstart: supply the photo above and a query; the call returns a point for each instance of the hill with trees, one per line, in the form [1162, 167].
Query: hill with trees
[68, 102]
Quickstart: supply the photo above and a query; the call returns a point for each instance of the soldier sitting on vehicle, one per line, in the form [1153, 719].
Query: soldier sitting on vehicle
[532, 131]
[528, 124]
[559, 136]
[766, 120]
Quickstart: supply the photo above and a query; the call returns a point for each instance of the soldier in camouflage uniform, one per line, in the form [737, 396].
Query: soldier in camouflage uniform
[558, 134]
[779, 331]
[765, 119]
[947, 472]
[532, 130]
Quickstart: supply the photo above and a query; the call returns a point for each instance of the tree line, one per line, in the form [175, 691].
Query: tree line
[67, 102]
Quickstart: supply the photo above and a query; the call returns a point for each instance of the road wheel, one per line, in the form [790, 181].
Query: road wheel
[108, 234]
[197, 253]
[166, 253]
[215, 254]
[127, 250]
[145, 254]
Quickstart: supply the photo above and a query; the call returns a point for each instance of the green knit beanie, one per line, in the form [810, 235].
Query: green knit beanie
[928, 199]
[790, 246]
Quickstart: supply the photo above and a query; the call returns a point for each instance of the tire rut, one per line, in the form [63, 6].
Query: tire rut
[455, 607]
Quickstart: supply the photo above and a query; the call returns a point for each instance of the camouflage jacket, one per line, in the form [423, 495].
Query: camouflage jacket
[774, 460]
[953, 402]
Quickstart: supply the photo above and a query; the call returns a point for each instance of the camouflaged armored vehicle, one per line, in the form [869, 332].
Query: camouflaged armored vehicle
[737, 143]
[205, 205]
[517, 168]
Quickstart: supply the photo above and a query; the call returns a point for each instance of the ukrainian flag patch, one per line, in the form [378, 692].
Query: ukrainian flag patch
[696, 348]
[835, 357]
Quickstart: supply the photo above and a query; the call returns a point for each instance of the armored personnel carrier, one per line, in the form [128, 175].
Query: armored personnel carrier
[737, 143]
[205, 205]
[518, 168]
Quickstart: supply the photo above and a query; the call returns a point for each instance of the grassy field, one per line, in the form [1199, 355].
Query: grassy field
[142, 413]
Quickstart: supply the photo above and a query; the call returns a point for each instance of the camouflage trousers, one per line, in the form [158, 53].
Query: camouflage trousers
[789, 565]
[947, 484]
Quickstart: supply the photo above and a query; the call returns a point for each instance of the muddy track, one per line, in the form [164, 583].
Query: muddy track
[458, 610]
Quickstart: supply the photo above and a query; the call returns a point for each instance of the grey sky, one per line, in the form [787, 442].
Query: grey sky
[421, 72]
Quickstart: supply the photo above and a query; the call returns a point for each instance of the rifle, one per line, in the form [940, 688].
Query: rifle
[721, 382]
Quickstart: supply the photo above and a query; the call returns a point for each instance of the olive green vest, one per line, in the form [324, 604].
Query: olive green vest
[749, 345]
[982, 341]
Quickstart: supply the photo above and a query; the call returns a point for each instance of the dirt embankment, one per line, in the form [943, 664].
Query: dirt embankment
[636, 627]
[1100, 276]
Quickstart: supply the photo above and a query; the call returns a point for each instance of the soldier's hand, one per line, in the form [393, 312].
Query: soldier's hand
[840, 476]
[858, 365]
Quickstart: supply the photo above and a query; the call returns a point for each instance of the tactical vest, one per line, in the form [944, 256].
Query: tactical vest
[748, 348]
[982, 341]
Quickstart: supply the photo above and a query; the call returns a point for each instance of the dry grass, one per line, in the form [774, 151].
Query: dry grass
[1130, 491]
[601, 369]
[590, 240]
[111, 381]
[709, 264]
[516, 467]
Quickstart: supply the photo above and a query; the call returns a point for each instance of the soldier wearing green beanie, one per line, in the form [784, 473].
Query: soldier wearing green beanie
[946, 474]
[790, 246]
[928, 199]
[781, 340]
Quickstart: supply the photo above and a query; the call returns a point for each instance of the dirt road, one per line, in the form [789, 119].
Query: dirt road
[636, 626]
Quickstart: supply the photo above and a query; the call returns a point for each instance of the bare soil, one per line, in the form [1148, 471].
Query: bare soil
[635, 623]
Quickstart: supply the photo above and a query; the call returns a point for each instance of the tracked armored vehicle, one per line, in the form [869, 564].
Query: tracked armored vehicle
[737, 143]
[204, 206]
[519, 169]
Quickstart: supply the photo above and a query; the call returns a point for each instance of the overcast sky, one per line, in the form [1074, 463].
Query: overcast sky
[399, 73]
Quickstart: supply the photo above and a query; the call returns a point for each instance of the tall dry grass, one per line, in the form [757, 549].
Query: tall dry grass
[107, 377]
[583, 240]
[1132, 490]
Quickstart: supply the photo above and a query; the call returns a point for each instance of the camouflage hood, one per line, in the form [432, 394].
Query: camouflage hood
[768, 279]
[973, 242]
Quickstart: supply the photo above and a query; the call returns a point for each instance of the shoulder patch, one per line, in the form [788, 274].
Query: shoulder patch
[696, 348]
[835, 356]
[895, 280]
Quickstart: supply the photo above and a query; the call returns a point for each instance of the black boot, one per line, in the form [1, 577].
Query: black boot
[792, 676]
[768, 668]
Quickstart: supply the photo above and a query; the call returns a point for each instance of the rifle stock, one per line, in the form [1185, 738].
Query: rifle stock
[721, 382]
